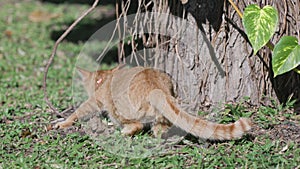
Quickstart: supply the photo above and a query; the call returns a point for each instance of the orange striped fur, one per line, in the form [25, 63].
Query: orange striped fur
[135, 96]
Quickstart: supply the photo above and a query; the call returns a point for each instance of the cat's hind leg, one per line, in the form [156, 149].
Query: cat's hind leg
[161, 126]
[130, 129]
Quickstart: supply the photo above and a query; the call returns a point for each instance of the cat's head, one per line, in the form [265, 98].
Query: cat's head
[93, 80]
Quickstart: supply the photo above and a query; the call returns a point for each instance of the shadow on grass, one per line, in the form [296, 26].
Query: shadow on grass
[85, 29]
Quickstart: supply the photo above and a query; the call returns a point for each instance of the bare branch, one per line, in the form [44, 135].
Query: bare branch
[58, 41]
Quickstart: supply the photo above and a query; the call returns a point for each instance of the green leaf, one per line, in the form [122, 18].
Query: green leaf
[259, 24]
[297, 70]
[286, 55]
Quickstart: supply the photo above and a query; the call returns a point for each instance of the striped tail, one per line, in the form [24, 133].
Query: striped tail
[194, 125]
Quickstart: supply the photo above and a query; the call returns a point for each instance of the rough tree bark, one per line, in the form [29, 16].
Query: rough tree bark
[212, 61]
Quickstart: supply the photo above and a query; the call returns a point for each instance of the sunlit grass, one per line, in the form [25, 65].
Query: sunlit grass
[26, 142]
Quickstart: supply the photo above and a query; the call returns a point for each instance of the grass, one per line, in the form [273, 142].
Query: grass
[26, 142]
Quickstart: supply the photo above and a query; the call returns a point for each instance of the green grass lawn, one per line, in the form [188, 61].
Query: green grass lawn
[26, 142]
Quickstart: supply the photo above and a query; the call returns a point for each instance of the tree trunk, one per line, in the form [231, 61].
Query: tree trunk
[209, 56]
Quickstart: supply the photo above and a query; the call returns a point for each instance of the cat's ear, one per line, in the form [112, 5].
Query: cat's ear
[84, 74]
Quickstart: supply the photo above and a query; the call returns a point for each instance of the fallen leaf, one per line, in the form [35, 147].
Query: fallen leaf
[8, 121]
[284, 149]
[36, 167]
[49, 127]
[42, 142]
[25, 132]
[8, 33]
[281, 118]
[296, 117]
[41, 16]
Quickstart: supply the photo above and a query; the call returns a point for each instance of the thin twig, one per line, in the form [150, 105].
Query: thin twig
[54, 52]
[236, 8]
[113, 34]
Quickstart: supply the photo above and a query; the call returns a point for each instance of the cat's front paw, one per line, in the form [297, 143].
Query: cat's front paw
[63, 124]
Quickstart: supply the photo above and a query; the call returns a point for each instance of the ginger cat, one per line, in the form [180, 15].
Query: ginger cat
[135, 96]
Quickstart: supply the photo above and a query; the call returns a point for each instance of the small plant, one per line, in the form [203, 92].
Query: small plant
[260, 25]
[286, 55]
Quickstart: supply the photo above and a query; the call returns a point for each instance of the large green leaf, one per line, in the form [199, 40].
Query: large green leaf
[259, 24]
[286, 55]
